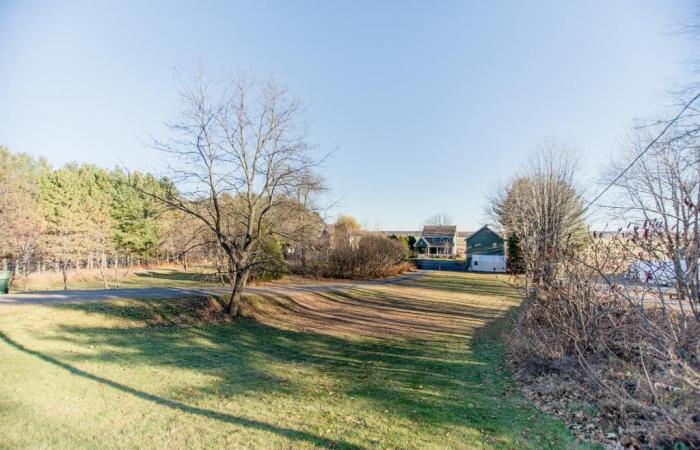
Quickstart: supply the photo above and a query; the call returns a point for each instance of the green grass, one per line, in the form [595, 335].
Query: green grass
[137, 278]
[357, 369]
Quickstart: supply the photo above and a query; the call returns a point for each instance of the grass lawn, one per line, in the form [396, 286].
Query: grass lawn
[415, 365]
[137, 278]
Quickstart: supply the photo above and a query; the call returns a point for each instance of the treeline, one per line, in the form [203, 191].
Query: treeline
[82, 216]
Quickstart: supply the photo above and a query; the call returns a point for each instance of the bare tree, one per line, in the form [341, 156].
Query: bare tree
[658, 198]
[243, 165]
[440, 219]
[543, 209]
[611, 331]
[642, 331]
[184, 237]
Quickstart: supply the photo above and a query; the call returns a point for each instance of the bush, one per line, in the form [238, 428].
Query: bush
[638, 364]
[271, 264]
[372, 256]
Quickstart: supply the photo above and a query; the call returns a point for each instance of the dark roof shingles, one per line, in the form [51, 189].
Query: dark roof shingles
[439, 230]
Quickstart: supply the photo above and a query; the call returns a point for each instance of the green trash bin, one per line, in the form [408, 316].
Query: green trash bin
[4, 282]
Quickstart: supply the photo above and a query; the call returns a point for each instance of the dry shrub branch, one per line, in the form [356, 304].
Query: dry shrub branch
[372, 256]
[613, 320]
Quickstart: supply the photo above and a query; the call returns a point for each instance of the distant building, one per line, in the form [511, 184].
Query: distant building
[397, 233]
[488, 244]
[437, 241]
[462, 242]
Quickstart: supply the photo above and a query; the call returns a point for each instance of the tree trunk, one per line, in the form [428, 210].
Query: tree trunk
[526, 271]
[64, 272]
[233, 308]
[103, 269]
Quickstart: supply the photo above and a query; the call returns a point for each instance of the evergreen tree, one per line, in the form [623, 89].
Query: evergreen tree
[136, 231]
[515, 257]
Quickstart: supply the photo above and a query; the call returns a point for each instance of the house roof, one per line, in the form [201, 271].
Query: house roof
[417, 234]
[439, 230]
[399, 232]
[485, 228]
[460, 234]
[438, 241]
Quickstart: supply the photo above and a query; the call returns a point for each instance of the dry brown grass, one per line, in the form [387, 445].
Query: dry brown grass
[161, 276]
[408, 309]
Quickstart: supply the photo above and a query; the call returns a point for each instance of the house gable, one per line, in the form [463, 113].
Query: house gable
[485, 242]
[421, 243]
[439, 240]
[439, 235]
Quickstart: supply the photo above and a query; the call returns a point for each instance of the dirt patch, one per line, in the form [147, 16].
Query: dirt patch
[188, 310]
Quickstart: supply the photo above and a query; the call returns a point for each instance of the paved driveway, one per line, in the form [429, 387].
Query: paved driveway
[82, 296]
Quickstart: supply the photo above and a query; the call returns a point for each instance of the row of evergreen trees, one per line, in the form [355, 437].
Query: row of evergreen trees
[83, 217]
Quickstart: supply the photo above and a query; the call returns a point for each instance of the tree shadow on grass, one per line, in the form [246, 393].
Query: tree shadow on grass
[405, 355]
[242, 350]
[366, 313]
[405, 303]
[430, 376]
[223, 417]
[481, 284]
[178, 276]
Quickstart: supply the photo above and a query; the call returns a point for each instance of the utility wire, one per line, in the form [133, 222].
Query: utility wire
[634, 161]
[651, 144]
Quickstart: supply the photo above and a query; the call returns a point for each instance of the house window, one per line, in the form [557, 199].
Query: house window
[495, 244]
[476, 263]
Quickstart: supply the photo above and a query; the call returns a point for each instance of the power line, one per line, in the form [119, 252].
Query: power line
[651, 144]
[634, 161]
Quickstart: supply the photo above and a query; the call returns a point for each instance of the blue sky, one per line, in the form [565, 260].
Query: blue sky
[429, 104]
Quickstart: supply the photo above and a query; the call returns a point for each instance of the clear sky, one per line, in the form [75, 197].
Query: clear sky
[429, 104]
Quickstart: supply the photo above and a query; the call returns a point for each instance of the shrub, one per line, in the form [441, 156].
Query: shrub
[372, 256]
[271, 264]
[639, 364]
